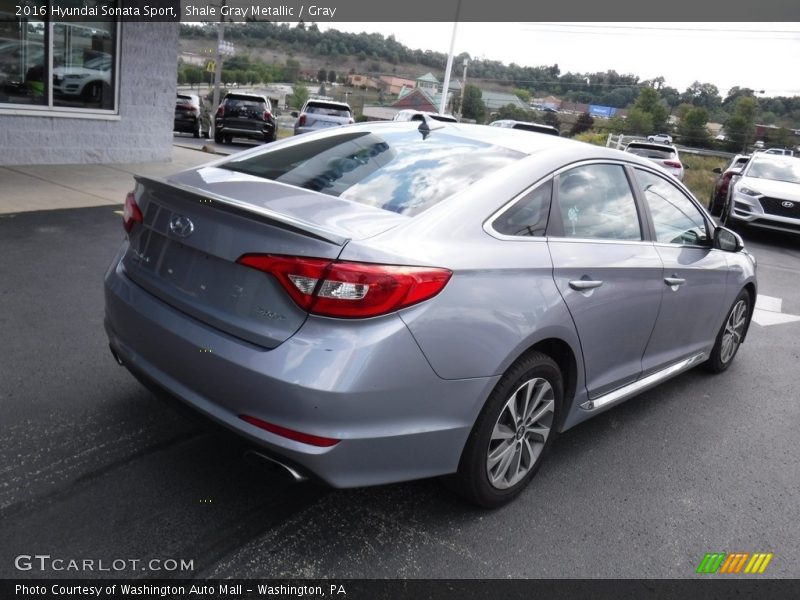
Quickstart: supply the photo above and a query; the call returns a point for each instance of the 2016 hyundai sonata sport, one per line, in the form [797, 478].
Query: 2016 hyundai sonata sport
[385, 302]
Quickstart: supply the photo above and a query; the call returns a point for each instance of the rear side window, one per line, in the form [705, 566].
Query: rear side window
[528, 216]
[596, 202]
[404, 171]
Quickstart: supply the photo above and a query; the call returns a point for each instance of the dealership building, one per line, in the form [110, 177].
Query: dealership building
[85, 92]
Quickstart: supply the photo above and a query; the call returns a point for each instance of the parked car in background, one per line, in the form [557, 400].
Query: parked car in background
[767, 194]
[190, 115]
[663, 155]
[719, 195]
[90, 82]
[660, 138]
[525, 126]
[247, 116]
[759, 144]
[322, 114]
[380, 305]
[420, 115]
[780, 151]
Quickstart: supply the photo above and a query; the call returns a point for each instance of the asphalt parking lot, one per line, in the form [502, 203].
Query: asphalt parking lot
[92, 465]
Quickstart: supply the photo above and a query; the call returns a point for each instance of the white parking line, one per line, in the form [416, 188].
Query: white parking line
[768, 312]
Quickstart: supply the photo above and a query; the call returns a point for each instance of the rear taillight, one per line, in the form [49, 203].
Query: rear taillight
[131, 213]
[267, 115]
[350, 289]
[220, 110]
[301, 120]
[672, 163]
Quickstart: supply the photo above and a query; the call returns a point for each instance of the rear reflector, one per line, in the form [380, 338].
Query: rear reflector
[301, 121]
[350, 289]
[297, 436]
[131, 213]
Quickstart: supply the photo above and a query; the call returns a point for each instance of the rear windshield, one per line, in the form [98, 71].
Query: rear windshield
[404, 171]
[313, 108]
[536, 128]
[184, 100]
[650, 151]
[239, 102]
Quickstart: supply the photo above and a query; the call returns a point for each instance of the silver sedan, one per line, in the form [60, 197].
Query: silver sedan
[385, 302]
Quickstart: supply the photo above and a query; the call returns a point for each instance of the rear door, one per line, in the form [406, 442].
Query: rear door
[608, 275]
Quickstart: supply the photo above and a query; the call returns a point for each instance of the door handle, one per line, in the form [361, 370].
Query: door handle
[584, 284]
[674, 281]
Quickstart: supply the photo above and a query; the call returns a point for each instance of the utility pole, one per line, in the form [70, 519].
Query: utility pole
[446, 84]
[463, 85]
[218, 66]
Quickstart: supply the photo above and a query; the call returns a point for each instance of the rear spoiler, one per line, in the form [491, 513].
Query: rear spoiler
[159, 187]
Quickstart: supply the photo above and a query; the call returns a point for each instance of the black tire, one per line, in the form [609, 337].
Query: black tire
[197, 130]
[527, 445]
[730, 334]
[218, 138]
[93, 92]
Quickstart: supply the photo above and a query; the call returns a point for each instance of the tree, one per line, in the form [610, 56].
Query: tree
[473, 107]
[693, 128]
[299, 96]
[523, 95]
[509, 111]
[291, 71]
[331, 76]
[584, 123]
[740, 128]
[649, 102]
[638, 122]
[322, 75]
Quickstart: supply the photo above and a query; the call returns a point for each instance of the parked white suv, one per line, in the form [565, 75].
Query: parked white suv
[321, 114]
[660, 138]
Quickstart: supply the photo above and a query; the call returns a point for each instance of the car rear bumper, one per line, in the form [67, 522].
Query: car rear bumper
[256, 134]
[365, 383]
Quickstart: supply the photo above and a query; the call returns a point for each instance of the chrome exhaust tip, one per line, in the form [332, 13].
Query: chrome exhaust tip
[115, 355]
[254, 455]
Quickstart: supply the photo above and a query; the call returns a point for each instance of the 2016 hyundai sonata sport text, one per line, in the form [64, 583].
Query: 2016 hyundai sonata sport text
[384, 302]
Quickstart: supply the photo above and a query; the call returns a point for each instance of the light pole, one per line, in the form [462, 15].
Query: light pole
[463, 85]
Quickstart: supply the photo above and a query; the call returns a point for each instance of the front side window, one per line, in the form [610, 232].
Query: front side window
[596, 202]
[83, 57]
[675, 218]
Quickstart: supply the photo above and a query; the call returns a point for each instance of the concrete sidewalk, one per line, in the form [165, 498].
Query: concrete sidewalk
[47, 187]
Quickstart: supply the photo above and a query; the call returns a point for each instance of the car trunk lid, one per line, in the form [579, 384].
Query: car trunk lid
[185, 250]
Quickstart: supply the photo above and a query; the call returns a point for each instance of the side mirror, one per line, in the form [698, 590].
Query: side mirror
[727, 240]
[717, 170]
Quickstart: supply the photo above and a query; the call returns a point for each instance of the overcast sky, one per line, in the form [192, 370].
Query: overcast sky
[761, 56]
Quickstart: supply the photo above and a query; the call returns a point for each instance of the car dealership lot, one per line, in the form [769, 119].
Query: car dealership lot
[93, 466]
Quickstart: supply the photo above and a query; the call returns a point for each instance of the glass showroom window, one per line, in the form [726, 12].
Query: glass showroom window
[59, 67]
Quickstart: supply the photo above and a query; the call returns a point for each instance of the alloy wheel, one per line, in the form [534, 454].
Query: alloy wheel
[520, 433]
